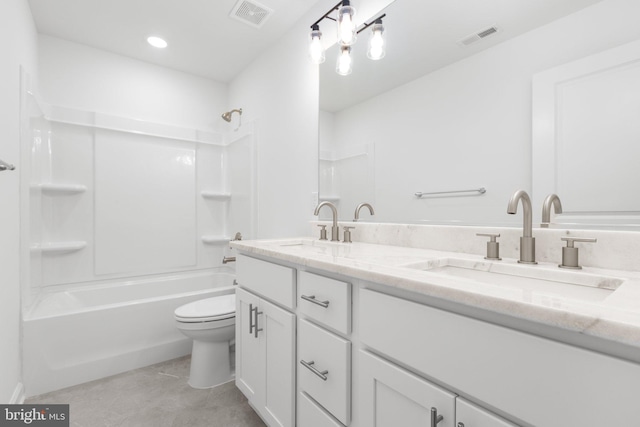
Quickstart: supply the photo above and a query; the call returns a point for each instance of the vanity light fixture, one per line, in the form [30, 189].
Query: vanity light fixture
[316, 50]
[343, 67]
[377, 42]
[347, 33]
[346, 26]
[158, 42]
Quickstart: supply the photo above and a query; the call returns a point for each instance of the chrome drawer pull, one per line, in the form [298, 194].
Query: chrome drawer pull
[460, 424]
[256, 329]
[435, 418]
[309, 366]
[313, 299]
[253, 320]
[251, 325]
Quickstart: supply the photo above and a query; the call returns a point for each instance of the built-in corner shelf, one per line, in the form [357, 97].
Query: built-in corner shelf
[215, 240]
[50, 189]
[216, 195]
[59, 247]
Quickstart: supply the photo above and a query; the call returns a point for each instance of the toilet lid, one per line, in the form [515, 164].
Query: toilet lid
[215, 308]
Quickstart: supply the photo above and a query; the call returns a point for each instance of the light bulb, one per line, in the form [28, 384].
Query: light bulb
[316, 50]
[346, 25]
[343, 67]
[377, 43]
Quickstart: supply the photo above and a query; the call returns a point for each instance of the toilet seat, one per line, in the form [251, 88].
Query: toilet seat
[208, 310]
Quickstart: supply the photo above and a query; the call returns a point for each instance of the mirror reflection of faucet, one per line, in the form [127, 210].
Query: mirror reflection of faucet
[360, 206]
[550, 200]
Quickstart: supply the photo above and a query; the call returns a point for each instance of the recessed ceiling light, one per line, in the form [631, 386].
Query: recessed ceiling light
[157, 42]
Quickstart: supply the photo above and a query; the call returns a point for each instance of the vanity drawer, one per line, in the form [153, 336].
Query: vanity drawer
[273, 281]
[325, 300]
[311, 415]
[324, 369]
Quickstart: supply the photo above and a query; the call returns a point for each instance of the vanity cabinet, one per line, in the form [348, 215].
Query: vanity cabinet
[369, 355]
[265, 341]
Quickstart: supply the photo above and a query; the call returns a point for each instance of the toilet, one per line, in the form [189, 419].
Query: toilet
[210, 323]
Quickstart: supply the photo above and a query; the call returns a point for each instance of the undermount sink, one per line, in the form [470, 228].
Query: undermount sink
[315, 246]
[535, 279]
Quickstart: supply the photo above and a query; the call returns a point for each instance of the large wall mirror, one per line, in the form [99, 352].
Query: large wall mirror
[447, 110]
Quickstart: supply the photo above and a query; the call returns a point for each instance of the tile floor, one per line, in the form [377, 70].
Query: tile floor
[154, 396]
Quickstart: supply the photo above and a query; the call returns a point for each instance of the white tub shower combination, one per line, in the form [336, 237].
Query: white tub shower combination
[128, 220]
[90, 332]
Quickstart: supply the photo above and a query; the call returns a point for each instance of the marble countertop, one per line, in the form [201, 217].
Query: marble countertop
[606, 305]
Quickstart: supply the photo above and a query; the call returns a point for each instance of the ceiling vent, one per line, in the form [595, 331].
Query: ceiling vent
[478, 36]
[251, 13]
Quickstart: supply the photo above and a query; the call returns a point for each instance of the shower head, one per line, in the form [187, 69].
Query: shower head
[227, 116]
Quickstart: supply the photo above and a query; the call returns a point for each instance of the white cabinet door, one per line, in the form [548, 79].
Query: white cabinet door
[265, 353]
[470, 415]
[250, 363]
[277, 332]
[393, 397]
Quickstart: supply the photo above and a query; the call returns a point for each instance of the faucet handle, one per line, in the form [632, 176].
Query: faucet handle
[347, 233]
[493, 247]
[570, 252]
[323, 231]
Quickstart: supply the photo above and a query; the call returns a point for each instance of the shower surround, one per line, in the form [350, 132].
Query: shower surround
[127, 220]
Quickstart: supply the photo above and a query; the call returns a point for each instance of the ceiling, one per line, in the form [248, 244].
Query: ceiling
[423, 36]
[203, 39]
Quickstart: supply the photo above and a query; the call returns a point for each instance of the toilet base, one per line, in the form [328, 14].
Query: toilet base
[210, 364]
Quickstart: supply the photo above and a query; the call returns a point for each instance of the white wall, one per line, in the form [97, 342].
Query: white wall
[18, 47]
[469, 124]
[279, 90]
[77, 76]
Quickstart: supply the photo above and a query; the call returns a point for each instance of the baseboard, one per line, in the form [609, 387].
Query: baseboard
[18, 395]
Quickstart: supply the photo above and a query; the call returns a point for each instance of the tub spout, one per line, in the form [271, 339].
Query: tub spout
[228, 259]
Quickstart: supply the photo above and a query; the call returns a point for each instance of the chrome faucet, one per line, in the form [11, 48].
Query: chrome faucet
[527, 241]
[546, 209]
[360, 206]
[335, 230]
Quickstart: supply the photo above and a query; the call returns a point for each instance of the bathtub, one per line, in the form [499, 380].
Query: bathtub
[79, 334]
